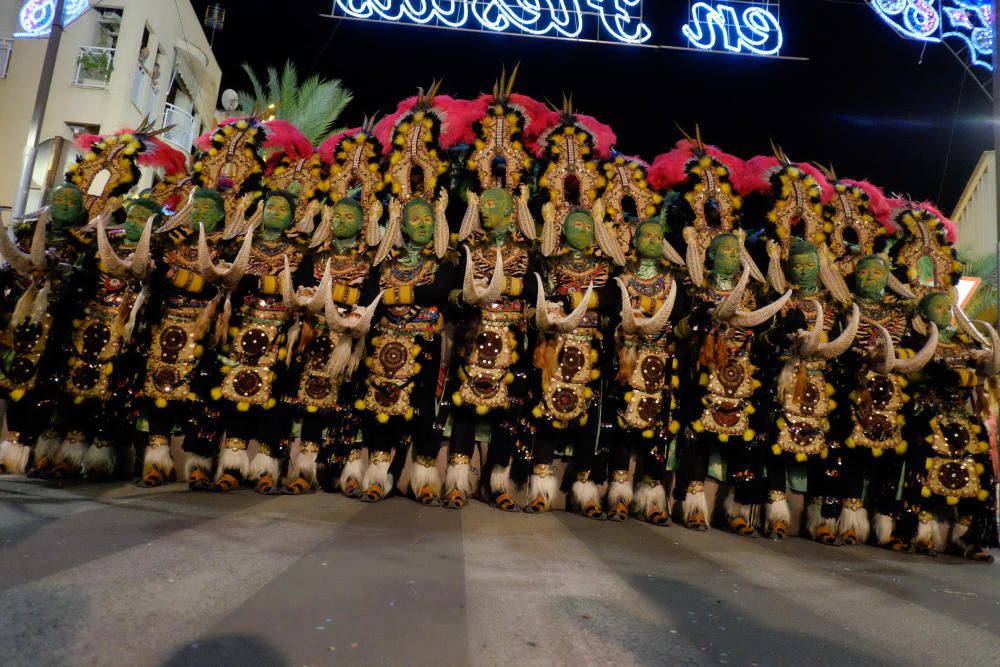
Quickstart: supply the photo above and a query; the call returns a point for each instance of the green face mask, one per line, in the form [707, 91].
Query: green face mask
[870, 279]
[937, 309]
[578, 230]
[418, 224]
[649, 241]
[496, 209]
[725, 255]
[66, 206]
[206, 211]
[346, 221]
[804, 269]
[135, 221]
[277, 214]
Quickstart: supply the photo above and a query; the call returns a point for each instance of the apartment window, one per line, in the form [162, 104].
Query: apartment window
[6, 47]
[95, 61]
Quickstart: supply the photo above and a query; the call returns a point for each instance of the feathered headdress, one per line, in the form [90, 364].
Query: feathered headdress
[923, 253]
[120, 155]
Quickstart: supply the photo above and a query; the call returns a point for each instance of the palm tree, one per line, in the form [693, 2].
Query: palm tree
[312, 105]
[983, 304]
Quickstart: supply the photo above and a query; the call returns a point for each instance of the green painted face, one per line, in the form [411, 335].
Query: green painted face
[804, 269]
[496, 208]
[418, 222]
[66, 206]
[936, 308]
[277, 214]
[649, 240]
[578, 230]
[346, 222]
[870, 278]
[135, 221]
[206, 211]
[724, 252]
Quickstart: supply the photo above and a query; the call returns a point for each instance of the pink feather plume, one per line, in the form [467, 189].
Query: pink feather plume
[328, 149]
[159, 155]
[824, 185]
[604, 136]
[286, 138]
[878, 204]
[539, 119]
[759, 170]
[898, 205]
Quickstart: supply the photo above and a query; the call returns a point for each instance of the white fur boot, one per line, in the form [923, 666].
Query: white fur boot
[197, 470]
[777, 515]
[542, 489]
[926, 540]
[650, 503]
[425, 481]
[352, 474]
[457, 484]
[157, 462]
[695, 507]
[377, 481]
[853, 525]
[69, 458]
[13, 457]
[738, 515]
[619, 495]
[885, 528]
[587, 499]
[100, 460]
[265, 470]
[233, 457]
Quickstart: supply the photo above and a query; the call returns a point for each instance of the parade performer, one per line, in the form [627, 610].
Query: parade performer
[725, 324]
[42, 291]
[400, 394]
[252, 346]
[181, 361]
[949, 473]
[803, 345]
[491, 373]
[648, 375]
[321, 392]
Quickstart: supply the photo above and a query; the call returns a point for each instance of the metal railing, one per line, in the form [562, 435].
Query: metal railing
[93, 67]
[151, 98]
[182, 134]
[6, 48]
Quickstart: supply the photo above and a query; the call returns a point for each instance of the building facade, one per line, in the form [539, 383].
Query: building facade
[118, 63]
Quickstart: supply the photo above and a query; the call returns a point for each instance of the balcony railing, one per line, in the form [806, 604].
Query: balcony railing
[93, 67]
[137, 94]
[182, 134]
[151, 100]
[6, 47]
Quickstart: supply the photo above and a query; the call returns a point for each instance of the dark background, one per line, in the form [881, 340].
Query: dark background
[867, 101]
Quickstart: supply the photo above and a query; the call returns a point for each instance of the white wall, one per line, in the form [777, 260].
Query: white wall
[109, 108]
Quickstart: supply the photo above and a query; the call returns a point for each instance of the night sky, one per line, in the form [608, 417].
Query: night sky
[865, 101]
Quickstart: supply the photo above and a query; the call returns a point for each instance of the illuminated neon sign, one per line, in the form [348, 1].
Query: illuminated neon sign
[36, 16]
[754, 30]
[738, 26]
[968, 21]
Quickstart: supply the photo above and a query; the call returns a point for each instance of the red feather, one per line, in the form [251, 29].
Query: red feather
[604, 136]
[539, 119]
[384, 129]
[286, 138]
[899, 205]
[328, 149]
[86, 141]
[160, 155]
[878, 204]
[824, 185]
[459, 117]
[759, 170]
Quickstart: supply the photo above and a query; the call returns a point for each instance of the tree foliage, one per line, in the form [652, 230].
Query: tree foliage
[314, 105]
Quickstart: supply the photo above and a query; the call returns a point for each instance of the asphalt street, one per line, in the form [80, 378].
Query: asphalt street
[110, 574]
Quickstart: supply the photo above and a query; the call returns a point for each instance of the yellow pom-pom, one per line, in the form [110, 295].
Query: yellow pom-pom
[242, 406]
[16, 394]
[801, 458]
[876, 452]
[980, 468]
[698, 426]
[755, 384]
[982, 495]
[925, 492]
[508, 378]
[593, 356]
[776, 449]
[850, 443]
[628, 396]
[382, 418]
[588, 392]
[160, 402]
[723, 437]
[216, 393]
[749, 434]
[703, 379]
[675, 426]
[825, 453]
[270, 404]
[781, 423]
[77, 400]
[648, 434]
[951, 500]
[584, 419]
[537, 412]
[675, 381]
[481, 410]
[594, 374]
[312, 408]
[751, 409]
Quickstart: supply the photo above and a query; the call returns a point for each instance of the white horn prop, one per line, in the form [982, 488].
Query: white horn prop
[542, 316]
[572, 320]
[814, 337]
[317, 301]
[287, 288]
[23, 263]
[843, 342]
[525, 221]
[993, 366]
[607, 242]
[471, 293]
[921, 358]
[372, 232]
[695, 257]
[671, 254]
[334, 320]
[963, 321]
[392, 230]
[323, 231]
[471, 217]
[899, 288]
[757, 317]
[115, 265]
[732, 303]
[886, 364]
[775, 274]
[361, 325]
[629, 324]
[442, 235]
[141, 259]
[550, 230]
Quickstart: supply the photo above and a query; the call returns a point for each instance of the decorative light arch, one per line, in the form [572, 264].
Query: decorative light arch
[967, 21]
[36, 16]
